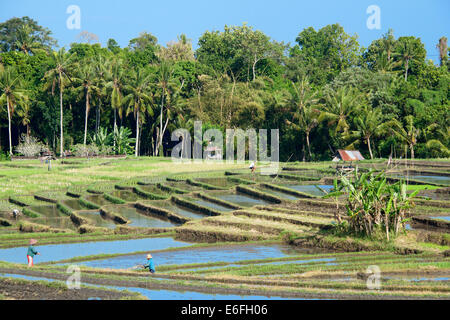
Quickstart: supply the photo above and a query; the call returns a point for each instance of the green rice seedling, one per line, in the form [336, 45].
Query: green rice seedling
[88, 204]
[114, 199]
[148, 195]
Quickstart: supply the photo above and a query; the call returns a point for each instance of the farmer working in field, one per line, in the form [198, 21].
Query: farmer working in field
[252, 167]
[150, 265]
[31, 252]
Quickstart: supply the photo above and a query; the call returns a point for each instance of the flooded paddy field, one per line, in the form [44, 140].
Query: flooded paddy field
[315, 190]
[98, 199]
[435, 179]
[56, 252]
[159, 294]
[230, 253]
[95, 218]
[180, 210]
[214, 235]
[241, 199]
[140, 218]
[127, 195]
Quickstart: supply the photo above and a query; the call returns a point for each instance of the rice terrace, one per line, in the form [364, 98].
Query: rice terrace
[215, 230]
[224, 150]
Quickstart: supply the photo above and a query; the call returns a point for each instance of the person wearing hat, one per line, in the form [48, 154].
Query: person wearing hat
[252, 167]
[31, 252]
[150, 265]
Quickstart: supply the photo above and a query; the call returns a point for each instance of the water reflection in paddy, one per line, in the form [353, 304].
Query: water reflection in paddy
[425, 178]
[241, 200]
[141, 218]
[55, 252]
[212, 205]
[154, 294]
[231, 253]
[48, 211]
[96, 218]
[182, 211]
[311, 189]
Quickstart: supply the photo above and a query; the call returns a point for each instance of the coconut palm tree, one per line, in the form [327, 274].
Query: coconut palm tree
[339, 105]
[115, 83]
[407, 133]
[405, 53]
[59, 75]
[137, 100]
[86, 78]
[11, 94]
[437, 139]
[172, 112]
[369, 123]
[306, 112]
[100, 66]
[388, 44]
[27, 41]
[24, 113]
[164, 81]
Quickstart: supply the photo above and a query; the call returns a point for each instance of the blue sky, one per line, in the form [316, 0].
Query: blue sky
[280, 19]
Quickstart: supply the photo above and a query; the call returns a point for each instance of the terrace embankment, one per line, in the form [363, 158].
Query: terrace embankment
[19, 289]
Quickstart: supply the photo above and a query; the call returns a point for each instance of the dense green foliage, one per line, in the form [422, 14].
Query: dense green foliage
[323, 93]
[374, 205]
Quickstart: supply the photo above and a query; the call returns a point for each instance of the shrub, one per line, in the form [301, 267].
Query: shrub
[81, 150]
[372, 204]
[29, 146]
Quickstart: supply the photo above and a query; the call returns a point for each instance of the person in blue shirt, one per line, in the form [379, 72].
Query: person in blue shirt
[31, 252]
[150, 265]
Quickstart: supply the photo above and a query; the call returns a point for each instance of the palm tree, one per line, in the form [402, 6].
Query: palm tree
[100, 65]
[438, 144]
[383, 64]
[369, 123]
[405, 53]
[59, 75]
[12, 94]
[138, 101]
[24, 113]
[340, 105]
[173, 111]
[388, 44]
[115, 84]
[26, 41]
[306, 113]
[165, 81]
[87, 79]
[407, 133]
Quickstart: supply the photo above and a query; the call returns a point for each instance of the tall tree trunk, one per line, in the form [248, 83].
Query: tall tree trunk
[254, 68]
[61, 110]
[411, 148]
[86, 117]
[161, 124]
[406, 69]
[309, 147]
[370, 149]
[97, 116]
[137, 134]
[115, 126]
[9, 125]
